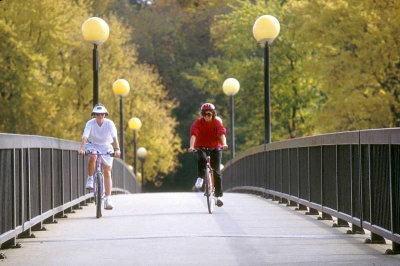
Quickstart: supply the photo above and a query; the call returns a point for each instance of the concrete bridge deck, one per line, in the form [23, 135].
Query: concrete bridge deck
[176, 229]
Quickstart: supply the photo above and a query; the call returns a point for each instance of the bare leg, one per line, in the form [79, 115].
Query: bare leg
[91, 165]
[107, 179]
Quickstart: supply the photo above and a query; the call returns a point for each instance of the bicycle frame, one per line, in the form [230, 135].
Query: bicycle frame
[98, 181]
[209, 185]
[208, 181]
[98, 186]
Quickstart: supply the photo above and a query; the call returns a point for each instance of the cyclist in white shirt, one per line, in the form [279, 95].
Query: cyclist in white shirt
[100, 134]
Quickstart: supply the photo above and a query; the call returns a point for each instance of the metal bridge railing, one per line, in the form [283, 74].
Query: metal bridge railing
[42, 178]
[354, 176]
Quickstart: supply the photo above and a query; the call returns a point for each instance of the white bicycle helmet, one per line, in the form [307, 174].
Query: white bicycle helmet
[99, 109]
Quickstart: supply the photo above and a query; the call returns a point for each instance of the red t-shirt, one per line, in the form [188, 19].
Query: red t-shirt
[207, 133]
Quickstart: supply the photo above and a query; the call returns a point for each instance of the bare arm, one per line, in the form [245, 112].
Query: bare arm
[192, 142]
[117, 151]
[223, 140]
[82, 147]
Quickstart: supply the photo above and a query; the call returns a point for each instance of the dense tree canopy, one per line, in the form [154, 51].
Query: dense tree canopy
[46, 88]
[334, 67]
[330, 71]
[293, 97]
[354, 55]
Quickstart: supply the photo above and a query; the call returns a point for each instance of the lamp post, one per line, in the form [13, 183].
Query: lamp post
[135, 124]
[121, 88]
[96, 31]
[231, 87]
[142, 153]
[265, 29]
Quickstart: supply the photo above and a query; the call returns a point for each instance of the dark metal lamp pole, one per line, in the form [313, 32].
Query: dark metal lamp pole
[135, 124]
[142, 153]
[267, 97]
[265, 29]
[95, 75]
[134, 153]
[230, 87]
[96, 31]
[121, 127]
[232, 142]
[121, 88]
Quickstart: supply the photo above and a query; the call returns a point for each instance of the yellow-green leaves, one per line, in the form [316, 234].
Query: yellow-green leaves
[46, 81]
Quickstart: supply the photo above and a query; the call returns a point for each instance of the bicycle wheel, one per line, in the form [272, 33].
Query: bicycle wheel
[98, 194]
[208, 191]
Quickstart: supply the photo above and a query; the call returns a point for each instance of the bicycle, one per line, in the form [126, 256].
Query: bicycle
[209, 189]
[98, 180]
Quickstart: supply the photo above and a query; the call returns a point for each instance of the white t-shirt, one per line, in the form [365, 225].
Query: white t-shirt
[100, 135]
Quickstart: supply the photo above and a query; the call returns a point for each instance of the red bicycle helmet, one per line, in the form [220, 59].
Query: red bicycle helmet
[208, 106]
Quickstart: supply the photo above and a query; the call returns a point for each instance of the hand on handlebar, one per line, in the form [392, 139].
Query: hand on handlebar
[88, 152]
[83, 152]
[117, 154]
[94, 152]
[224, 147]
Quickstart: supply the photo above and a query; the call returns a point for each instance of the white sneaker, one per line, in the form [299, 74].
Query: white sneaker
[108, 205]
[219, 202]
[199, 182]
[89, 183]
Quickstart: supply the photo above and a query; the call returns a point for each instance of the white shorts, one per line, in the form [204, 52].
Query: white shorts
[106, 159]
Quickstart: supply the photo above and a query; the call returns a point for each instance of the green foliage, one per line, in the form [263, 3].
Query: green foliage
[324, 64]
[173, 36]
[239, 56]
[333, 67]
[35, 59]
[355, 60]
[46, 85]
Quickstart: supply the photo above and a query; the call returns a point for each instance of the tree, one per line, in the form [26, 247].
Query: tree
[354, 59]
[46, 88]
[38, 47]
[293, 97]
[173, 36]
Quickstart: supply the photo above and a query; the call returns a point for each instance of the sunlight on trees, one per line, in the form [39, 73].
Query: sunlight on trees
[47, 85]
[334, 67]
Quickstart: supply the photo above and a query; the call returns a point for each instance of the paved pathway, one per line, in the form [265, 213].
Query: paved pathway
[176, 229]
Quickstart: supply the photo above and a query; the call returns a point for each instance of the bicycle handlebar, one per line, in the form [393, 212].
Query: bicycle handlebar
[89, 153]
[206, 150]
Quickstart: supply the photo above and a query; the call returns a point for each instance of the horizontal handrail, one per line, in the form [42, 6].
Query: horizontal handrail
[354, 176]
[42, 178]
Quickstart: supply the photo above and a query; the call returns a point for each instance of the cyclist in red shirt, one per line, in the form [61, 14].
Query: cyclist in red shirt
[208, 132]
